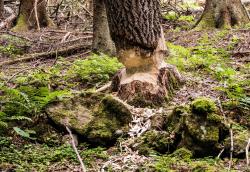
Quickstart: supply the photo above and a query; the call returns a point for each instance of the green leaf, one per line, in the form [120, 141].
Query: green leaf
[20, 132]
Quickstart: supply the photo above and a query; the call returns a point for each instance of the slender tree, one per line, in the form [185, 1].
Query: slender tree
[135, 28]
[102, 41]
[223, 14]
[1, 8]
[32, 15]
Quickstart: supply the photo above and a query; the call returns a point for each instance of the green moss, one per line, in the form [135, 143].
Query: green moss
[214, 118]
[114, 108]
[21, 25]
[203, 106]
[205, 133]
[183, 154]
[41, 157]
[153, 141]
[94, 70]
[101, 131]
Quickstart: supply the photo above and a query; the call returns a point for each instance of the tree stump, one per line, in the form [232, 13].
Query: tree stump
[135, 27]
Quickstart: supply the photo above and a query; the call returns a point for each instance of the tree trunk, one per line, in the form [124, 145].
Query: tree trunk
[136, 30]
[1, 9]
[28, 15]
[102, 42]
[223, 14]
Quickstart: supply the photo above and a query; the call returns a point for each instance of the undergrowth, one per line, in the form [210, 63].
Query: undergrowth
[207, 58]
[40, 157]
[35, 89]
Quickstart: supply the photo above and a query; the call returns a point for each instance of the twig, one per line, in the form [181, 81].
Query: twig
[219, 155]
[105, 87]
[36, 15]
[66, 36]
[232, 148]
[76, 151]
[17, 73]
[221, 109]
[247, 152]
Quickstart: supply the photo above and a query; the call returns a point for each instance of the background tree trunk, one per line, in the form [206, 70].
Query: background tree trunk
[135, 27]
[1, 9]
[223, 14]
[27, 19]
[102, 42]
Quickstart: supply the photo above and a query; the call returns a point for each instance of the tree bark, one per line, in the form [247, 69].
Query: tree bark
[1, 9]
[28, 15]
[223, 14]
[102, 42]
[136, 30]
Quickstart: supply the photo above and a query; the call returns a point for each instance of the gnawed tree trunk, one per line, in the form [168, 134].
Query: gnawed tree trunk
[223, 14]
[102, 42]
[30, 13]
[1, 9]
[136, 30]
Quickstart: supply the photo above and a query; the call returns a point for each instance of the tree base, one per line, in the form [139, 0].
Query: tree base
[147, 89]
[221, 14]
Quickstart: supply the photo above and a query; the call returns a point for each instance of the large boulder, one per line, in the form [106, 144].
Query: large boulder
[94, 116]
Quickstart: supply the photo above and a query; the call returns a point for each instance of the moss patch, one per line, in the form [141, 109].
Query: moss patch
[203, 106]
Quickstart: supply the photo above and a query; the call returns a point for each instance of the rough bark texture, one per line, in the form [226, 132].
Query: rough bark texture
[102, 42]
[1, 9]
[27, 19]
[136, 30]
[136, 22]
[223, 14]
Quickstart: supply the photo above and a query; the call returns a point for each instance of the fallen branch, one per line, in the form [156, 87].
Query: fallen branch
[48, 55]
[8, 22]
[76, 151]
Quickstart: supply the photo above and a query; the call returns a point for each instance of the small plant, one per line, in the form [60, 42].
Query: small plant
[95, 69]
[9, 50]
[171, 16]
[23, 103]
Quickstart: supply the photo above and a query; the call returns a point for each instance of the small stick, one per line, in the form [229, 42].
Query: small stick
[218, 157]
[36, 15]
[76, 151]
[104, 88]
[232, 148]
[247, 152]
[221, 109]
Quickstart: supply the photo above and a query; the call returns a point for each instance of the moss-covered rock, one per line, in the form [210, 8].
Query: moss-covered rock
[153, 140]
[197, 127]
[95, 116]
[203, 106]
[182, 153]
[203, 130]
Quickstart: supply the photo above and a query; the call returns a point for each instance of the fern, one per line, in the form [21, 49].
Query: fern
[22, 103]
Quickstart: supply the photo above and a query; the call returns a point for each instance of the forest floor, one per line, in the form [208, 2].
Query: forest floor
[223, 59]
[215, 64]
